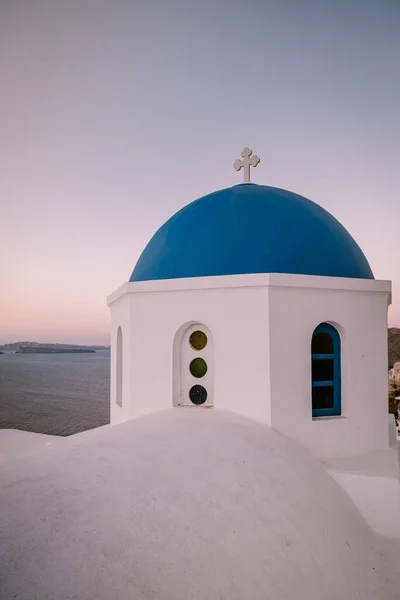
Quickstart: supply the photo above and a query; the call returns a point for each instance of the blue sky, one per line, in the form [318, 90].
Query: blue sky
[115, 114]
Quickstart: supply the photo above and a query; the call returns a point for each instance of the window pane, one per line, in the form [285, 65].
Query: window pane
[322, 343]
[322, 397]
[322, 369]
[198, 340]
[198, 367]
[198, 394]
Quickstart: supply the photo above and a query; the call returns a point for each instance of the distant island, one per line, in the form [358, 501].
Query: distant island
[46, 348]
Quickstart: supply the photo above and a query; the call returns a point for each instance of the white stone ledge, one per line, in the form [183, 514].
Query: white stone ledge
[252, 280]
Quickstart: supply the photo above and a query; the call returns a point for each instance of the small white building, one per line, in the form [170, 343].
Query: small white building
[253, 301]
[256, 300]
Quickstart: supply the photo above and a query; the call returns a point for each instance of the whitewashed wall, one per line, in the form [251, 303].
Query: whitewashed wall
[261, 327]
[232, 308]
[358, 309]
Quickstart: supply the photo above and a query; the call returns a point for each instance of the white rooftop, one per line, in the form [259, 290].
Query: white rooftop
[185, 504]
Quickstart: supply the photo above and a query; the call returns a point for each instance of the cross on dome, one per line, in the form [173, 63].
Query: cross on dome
[246, 163]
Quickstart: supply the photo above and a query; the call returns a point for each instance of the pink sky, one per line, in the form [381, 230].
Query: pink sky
[114, 115]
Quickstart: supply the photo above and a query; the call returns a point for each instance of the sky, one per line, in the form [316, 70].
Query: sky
[115, 114]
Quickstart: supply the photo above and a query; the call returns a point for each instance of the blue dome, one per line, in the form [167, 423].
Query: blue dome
[251, 228]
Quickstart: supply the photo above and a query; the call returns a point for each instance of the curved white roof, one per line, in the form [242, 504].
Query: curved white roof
[183, 504]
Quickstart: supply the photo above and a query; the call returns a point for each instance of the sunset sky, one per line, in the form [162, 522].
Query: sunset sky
[115, 114]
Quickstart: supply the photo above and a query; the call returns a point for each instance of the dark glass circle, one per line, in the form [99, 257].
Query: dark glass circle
[198, 367]
[198, 394]
[198, 340]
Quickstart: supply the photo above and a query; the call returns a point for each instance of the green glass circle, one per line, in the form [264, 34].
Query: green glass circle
[198, 340]
[198, 367]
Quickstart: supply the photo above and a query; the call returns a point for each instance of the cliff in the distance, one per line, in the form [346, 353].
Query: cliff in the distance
[394, 346]
[394, 365]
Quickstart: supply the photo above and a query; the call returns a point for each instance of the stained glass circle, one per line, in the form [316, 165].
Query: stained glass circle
[198, 340]
[198, 394]
[198, 367]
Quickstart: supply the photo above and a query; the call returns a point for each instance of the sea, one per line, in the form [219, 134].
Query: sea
[57, 394]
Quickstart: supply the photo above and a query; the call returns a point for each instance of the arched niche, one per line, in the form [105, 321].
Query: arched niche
[119, 378]
[193, 365]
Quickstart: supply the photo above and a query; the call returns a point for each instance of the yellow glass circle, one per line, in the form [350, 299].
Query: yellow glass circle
[198, 340]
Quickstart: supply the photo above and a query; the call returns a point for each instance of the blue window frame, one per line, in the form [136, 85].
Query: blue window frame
[326, 372]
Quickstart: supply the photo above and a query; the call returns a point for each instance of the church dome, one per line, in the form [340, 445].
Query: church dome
[251, 228]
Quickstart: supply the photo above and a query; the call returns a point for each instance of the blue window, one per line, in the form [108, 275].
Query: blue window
[326, 372]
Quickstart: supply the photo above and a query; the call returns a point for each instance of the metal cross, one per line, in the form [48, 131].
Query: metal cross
[246, 163]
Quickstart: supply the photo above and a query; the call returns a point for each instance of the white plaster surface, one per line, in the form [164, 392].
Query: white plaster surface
[384, 463]
[185, 504]
[360, 316]
[262, 326]
[157, 320]
[372, 481]
[377, 498]
[15, 443]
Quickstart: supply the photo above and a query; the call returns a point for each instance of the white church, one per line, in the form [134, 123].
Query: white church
[250, 454]
[256, 300]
